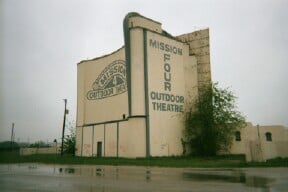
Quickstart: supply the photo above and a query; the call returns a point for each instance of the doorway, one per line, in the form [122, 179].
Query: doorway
[99, 149]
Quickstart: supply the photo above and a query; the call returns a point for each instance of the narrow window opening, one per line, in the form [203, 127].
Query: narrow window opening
[237, 136]
[268, 136]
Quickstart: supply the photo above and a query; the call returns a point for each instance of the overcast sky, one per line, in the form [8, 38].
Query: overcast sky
[41, 42]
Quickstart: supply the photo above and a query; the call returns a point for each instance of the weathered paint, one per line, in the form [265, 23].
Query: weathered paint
[146, 118]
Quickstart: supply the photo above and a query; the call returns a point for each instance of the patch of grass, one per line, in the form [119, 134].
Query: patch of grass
[276, 162]
[227, 161]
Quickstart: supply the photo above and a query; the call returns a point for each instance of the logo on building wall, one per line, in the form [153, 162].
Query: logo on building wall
[110, 82]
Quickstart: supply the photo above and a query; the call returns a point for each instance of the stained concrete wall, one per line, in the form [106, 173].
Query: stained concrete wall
[120, 139]
[130, 124]
[130, 132]
[96, 90]
[144, 22]
[199, 46]
[255, 145]
[45, 150]
[137, 72]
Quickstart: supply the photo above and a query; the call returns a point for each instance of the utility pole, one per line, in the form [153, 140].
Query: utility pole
[63, 130]
[12, 137]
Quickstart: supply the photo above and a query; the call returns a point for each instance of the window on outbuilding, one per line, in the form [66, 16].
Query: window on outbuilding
[268, 136]
[237, 136]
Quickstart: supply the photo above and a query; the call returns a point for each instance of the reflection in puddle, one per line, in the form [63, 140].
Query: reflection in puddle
[99, 172]
[32, 167]
[228, 176]
[116, 172]
[234, 177]
[148, 175]
[74, 178]
[67, 170]
[82, 171]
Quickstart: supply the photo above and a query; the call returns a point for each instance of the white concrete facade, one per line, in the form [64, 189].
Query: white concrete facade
[131, 103]
[260, 143]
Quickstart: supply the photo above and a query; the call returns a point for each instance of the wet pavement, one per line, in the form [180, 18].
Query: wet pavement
[41, 177]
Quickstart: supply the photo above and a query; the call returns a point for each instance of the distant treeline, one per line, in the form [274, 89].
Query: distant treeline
[8, 145]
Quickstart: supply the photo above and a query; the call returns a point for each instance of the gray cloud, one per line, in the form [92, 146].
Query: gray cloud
[44, 40]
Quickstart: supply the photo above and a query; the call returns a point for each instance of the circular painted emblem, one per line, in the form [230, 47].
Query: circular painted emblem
[110, 82]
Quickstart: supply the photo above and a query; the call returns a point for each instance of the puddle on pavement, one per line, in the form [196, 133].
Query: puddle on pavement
[82, 171]
[67, 170]
[103, 176]
[231, 177]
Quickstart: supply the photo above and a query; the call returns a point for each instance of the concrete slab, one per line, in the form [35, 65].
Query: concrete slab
[77, 178]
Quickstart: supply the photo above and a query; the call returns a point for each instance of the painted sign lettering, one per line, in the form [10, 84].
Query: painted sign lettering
[167, 73]
[167, 102]
[110, 82]
[165, 47]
